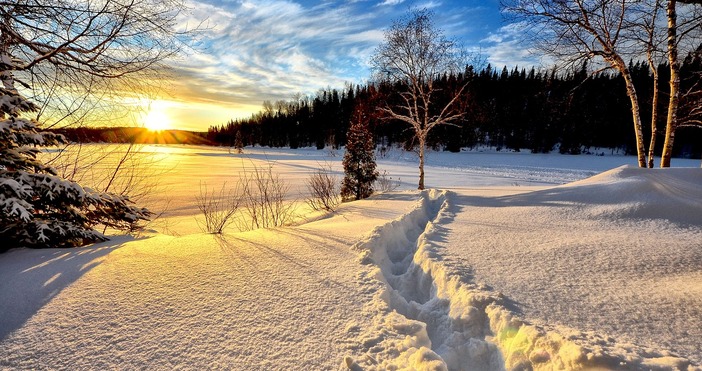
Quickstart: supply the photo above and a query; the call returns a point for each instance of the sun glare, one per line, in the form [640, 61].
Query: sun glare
[157, 120]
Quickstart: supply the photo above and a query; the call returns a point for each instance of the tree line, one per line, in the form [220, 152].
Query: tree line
[512, 109]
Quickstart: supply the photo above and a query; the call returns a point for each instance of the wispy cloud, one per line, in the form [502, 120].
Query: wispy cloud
[252, 51]
[274, 49]
[391, 2]
[428, 5]
[506, 47]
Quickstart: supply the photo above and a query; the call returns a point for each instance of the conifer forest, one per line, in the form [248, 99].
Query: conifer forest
[515, 109]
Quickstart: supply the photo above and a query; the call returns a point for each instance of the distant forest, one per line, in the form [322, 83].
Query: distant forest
[515, 109]
[132, 135]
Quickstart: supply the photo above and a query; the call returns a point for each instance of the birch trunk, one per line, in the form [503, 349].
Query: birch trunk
[635, 111]
[422, 145]
[671, 121]
[654, 117]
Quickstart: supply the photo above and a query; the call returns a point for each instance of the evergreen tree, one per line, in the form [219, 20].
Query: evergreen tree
[238, 142]
[40, 209]
[359, 159]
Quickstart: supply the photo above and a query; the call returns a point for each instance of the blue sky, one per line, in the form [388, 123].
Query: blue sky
[253, 51]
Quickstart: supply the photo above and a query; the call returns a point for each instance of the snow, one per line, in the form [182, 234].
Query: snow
[513, 261]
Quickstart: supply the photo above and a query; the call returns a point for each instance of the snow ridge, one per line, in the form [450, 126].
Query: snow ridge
[427, 316]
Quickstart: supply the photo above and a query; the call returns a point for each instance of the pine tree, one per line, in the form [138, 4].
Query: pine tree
[39, 208]
[359, 159]
[238, 142]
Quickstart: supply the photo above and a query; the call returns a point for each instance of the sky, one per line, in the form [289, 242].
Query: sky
[252, 51]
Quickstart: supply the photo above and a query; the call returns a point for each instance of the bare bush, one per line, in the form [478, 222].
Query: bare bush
[323, 188]
[385, 183]
[263, 199]
[218, 207]
[123, 170]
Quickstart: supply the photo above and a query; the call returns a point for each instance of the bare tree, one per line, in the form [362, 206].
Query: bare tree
[652, 40]
[71, 56]
[78, 59]
[611, 30]
[674, 99]
[414, 54]
[573, 30]
[323, 189]
[66, 55]
[677, 30]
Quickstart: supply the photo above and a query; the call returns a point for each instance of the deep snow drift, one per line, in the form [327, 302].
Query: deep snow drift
[602, 273]
[492, 273]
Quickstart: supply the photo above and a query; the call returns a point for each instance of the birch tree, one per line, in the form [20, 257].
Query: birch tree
[677, 31]
[651, 41]
[573, 30]
[414, 54]
[610, 30]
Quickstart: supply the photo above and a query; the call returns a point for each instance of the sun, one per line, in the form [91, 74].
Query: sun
[157, 119]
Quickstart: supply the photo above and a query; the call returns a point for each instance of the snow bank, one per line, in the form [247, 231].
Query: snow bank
[431, 313]
[628, 192]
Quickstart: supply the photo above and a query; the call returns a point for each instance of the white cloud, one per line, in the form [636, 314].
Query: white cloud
[505, 47]
[253, 51]
[276, 48]
[391, 2]
[428, 5]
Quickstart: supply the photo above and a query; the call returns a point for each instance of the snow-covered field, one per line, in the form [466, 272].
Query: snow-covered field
[511, 261]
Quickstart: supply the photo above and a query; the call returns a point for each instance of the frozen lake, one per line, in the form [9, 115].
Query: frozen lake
[515, 266]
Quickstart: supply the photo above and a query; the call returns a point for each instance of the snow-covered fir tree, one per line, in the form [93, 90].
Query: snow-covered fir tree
[39, 208]
[359, 160]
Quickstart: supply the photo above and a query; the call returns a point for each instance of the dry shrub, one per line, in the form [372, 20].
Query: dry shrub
[263, 199]
[323, 189]
[218, 207]
[385, 183]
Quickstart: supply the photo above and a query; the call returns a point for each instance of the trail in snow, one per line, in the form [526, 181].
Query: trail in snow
[417, 324]
[430, 313]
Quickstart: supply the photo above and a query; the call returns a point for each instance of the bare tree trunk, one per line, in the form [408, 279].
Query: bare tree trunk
[635, 112]
[651, 50]
[422, 144]
[673, 103]
[654, 116]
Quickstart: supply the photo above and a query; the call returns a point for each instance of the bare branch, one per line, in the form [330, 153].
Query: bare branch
[413, 56]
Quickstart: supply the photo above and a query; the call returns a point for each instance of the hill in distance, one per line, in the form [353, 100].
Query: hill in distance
[133, 135]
